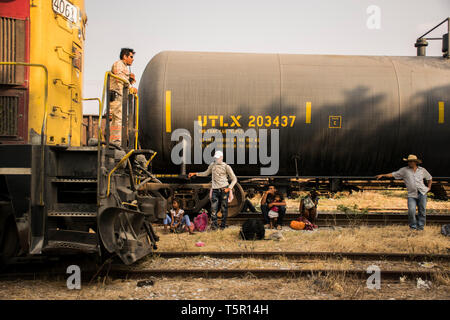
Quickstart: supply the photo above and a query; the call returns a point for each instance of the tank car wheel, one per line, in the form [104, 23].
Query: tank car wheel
[235, 206]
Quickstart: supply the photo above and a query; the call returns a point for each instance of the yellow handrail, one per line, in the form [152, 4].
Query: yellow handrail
[150, 160]
[137, 120]
[107, 75]
[100, 137]
[116, 167]
[44, 120]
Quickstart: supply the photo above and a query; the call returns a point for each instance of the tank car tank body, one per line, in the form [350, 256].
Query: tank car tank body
[337, 116]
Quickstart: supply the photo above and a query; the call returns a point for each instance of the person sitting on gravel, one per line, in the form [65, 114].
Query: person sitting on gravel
[177, 218]
[273, 212]
[267, 201]
[308, 206]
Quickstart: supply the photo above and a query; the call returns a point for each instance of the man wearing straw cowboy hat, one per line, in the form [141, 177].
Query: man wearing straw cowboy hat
[221, 189]
[413, 176]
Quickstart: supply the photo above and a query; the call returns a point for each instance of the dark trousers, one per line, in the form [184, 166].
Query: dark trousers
[265, 212]
[219, 199]
[248, 206]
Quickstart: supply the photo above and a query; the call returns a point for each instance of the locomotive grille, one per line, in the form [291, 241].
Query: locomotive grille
[9, 107]
[12, 48]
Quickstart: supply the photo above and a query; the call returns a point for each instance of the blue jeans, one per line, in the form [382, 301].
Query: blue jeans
[184, 220]
[421, 203]
[219, 199]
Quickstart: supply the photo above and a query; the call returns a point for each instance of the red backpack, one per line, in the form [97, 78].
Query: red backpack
[201, 221]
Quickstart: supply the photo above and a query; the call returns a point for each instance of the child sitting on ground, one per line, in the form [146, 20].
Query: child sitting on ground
[177, 218]
[273, 212]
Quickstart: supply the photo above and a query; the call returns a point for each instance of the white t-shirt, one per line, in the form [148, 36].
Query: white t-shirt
[176, 215]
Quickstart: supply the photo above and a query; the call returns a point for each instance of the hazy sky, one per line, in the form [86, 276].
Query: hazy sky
[266, 26]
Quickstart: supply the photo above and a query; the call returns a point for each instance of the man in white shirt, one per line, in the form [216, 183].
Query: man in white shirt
[413, 176]
[220, 172]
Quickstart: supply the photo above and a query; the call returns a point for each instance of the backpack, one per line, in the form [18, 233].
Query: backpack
[308, 224]
[252, 229]
[297, 225]
[445, 230]
[201, 221]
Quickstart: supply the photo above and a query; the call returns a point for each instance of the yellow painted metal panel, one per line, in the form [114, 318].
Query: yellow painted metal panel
[58, 44]
[308, 112]
[441, 112]
[168, 111]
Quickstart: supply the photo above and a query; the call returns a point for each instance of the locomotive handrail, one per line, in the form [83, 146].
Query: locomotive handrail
[115, 168]
[44, 120]
[137, 121]
[105, 82]
[99, 107]
[102, 103]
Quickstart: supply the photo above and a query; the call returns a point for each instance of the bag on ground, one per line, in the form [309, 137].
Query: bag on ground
[201, 221]
[297, 225]
[308, 224]
[445, 230]
[252, 229]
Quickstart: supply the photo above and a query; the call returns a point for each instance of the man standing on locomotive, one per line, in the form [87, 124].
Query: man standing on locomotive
[120, 68]
[413, 176]
[220, 187]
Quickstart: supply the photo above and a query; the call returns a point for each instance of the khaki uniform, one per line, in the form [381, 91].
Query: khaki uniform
[120, 69]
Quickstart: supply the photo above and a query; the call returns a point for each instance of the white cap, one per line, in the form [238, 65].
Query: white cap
[218, 154]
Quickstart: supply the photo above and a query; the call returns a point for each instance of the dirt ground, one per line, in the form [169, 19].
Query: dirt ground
[315, 288]
[358, 239]
[335, 286]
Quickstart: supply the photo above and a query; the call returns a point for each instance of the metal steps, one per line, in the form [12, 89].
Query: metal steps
[71, 240]
[67, 180]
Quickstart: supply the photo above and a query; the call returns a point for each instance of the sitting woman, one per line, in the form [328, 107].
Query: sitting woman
[308, 206]
[177, 218]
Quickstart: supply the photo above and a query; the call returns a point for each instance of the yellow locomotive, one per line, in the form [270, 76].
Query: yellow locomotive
[57, 196]
[51, 35]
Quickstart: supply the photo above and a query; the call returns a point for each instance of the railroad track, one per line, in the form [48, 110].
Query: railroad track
[345, 219]
[270, 273]
[116, 271]
[227, 273]
[307, 255]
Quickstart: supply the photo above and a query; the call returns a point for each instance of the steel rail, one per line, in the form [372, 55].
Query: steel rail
[123, 273]
[267, 273]
[307, 255]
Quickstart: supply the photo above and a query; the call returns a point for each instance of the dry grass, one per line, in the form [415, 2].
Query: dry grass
[359, 239]
[332, 286]
[363, 200]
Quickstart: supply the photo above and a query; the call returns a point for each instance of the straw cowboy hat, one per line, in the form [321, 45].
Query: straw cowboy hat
[412, 157]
